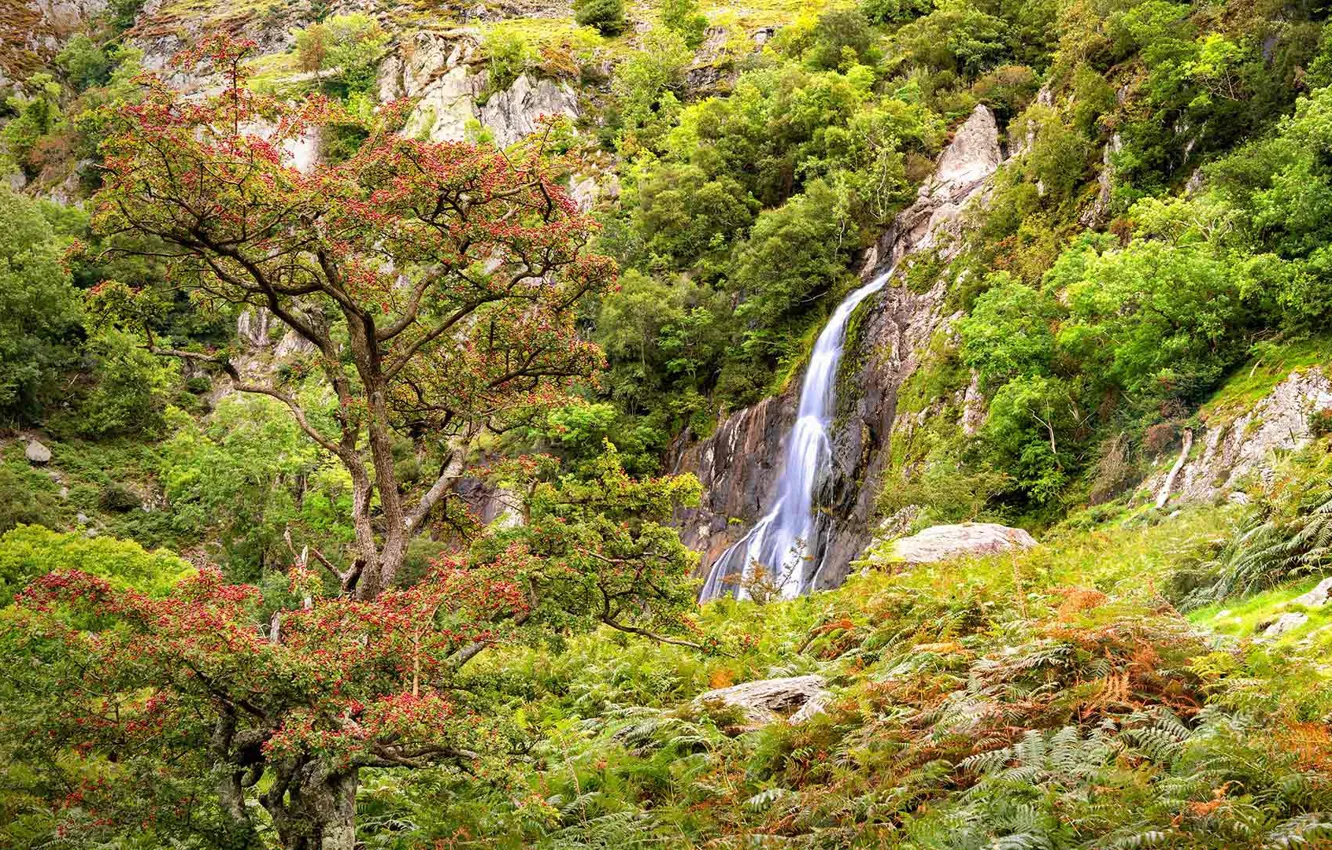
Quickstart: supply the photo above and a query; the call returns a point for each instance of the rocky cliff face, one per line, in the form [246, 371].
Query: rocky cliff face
[33, 31]
[739, 464]
[1230, 453]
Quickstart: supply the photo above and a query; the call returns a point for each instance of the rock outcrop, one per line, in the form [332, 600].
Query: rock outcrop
[945, 542]
[445, 109]
[516, 113]
[933, 220]
[448, 106]
[739, 464]
[421, 60]
[1239, 450]
[795, 699]
[33, 31]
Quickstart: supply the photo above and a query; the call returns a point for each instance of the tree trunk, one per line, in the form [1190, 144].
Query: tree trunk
[338, 831]
[314, 807]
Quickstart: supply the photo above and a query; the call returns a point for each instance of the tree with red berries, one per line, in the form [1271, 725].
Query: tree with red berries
[435, 283]
[185, 692]
[185, 709]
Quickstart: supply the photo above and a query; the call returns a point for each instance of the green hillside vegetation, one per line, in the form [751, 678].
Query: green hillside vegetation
[251, 600]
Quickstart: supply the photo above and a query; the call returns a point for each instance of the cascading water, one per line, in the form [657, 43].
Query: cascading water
[783, 543]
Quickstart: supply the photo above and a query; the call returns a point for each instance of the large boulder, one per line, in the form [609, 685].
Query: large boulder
[37, 453]
[945, 542]
[795, 699]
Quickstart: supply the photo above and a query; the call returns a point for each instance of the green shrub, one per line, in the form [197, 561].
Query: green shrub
[683, 17]
[130, 388]
[39, 309]
[117, 498]
[84, 63]
[349, 46]
[509, 55]
[37, 115]
[894, 11]
[27, 497]
[30, 551]
[606, 16]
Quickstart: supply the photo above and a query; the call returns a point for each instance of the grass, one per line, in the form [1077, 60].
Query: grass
[1252, 382]
[753, 15]
[86, 469]
[272, 71]
[1245, 618]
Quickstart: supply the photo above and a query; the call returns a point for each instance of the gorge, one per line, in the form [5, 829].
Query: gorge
[665, 424]
[745, 467]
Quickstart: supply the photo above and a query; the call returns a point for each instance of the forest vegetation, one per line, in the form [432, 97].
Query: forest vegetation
[342, 497]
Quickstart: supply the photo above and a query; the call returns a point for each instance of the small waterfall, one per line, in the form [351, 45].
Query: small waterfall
[784, 542]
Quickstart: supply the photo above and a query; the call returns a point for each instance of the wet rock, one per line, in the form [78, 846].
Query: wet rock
[970, 157]
[945, 542]
[973, 406]
[1196, 182]
[585, 192]
[421, 60]
[494, 506]
[765, 701]
[705, 78]
[60, 19]
[36, 453]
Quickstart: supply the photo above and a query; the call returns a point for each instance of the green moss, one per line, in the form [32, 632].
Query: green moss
[1247, 617]
[939, 375]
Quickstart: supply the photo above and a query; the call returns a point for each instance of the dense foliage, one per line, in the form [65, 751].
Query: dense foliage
[402, 407]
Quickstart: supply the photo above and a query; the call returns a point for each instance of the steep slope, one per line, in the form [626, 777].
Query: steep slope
[740, 464]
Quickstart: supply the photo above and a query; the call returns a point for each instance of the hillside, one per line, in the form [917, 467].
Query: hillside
[881, 423]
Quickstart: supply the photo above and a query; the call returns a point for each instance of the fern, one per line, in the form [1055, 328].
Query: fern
[1267, 550]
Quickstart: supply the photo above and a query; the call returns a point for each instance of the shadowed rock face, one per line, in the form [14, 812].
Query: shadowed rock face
[740, 463]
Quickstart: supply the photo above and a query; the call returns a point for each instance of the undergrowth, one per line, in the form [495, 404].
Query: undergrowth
[1056, 699]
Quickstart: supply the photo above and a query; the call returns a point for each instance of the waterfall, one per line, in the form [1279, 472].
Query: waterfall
[784, 542]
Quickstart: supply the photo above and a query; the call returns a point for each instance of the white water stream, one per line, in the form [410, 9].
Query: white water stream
[782, 544]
